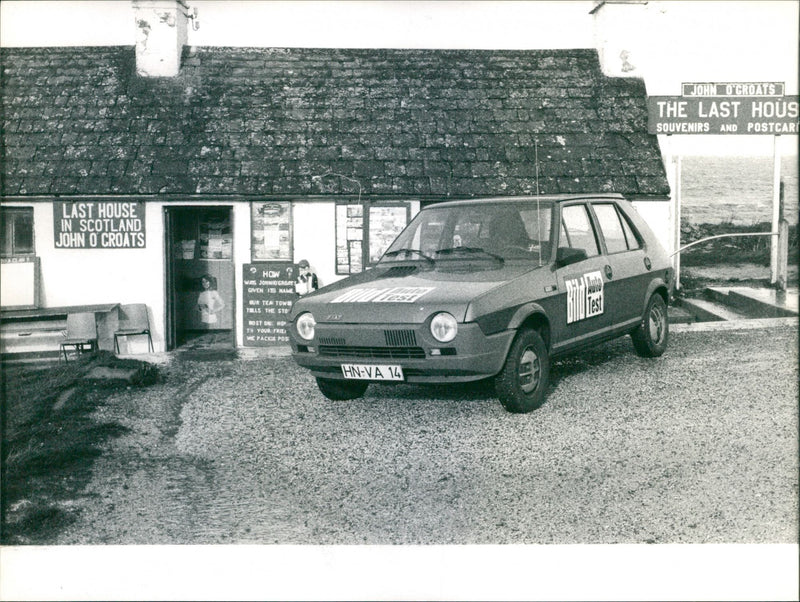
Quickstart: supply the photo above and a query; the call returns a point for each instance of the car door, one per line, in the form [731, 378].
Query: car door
[626, 266]
[580, 311]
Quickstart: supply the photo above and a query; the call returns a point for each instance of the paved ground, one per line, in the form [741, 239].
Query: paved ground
[699, 446]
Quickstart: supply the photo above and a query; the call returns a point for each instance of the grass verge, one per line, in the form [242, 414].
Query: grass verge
[745, 249]
[50, 441]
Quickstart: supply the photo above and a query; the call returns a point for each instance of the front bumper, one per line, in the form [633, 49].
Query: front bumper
[470, 356]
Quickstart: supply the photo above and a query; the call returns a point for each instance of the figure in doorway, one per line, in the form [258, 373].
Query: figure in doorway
[209, 302]
[306, 279]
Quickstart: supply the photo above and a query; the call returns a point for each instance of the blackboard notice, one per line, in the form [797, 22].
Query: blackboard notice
[99, 224]
[268, 298]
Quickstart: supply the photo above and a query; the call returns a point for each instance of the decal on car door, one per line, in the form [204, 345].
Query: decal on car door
[584, 296]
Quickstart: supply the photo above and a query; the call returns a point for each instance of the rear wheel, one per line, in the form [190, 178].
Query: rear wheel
[650, 337]
[522, 384]
[341, 390]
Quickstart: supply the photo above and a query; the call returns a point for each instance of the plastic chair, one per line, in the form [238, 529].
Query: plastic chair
[133, 321]
[81, 333]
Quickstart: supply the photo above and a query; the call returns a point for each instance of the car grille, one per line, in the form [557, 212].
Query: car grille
[400, 338]
[394, 353]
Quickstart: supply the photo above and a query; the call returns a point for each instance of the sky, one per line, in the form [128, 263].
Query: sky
[678, 41]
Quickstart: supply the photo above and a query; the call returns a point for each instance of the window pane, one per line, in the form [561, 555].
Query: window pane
[23, 233]
[611, 227]
[537, 223]
[579, 229]
[6, 233]
[16, 231]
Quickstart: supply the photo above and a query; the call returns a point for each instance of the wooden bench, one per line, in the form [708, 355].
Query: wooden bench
[37, 333]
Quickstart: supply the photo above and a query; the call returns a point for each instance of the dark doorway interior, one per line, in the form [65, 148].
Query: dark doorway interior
[200, 293]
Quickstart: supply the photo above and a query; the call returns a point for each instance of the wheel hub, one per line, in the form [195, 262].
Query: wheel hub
[529, 370]
[656, 325]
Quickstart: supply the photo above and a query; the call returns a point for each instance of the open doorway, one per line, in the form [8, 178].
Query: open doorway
[199, 277]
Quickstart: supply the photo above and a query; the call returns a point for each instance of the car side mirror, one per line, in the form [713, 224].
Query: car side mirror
[568, 256]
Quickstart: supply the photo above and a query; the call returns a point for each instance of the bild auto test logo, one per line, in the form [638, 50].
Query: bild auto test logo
[584, 296]
[397, 294]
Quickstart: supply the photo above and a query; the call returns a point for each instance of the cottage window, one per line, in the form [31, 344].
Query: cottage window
[16, 231]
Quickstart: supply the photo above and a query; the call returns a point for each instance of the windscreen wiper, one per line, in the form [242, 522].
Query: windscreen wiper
[397, 252]
[470, 251]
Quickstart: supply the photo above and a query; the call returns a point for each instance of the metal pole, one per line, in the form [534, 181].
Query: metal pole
[776, 208]
[783, 256]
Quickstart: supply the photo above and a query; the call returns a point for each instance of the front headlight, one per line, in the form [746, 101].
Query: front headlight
[444, 327]
[305, 324]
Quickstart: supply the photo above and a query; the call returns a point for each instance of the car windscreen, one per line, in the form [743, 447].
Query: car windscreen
[497, 231]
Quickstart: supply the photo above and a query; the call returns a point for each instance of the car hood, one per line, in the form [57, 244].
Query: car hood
[407, 294]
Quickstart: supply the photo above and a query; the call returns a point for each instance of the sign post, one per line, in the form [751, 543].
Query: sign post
[742, 108]
[677, 220]
[777, 211]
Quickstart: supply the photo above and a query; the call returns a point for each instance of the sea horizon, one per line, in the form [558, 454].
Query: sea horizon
[735, 189]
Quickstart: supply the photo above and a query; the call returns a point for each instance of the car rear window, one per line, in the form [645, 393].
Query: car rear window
[615, 228]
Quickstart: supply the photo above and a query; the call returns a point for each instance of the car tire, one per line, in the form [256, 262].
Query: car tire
[650, 337]
[523, 381]
[342, 390]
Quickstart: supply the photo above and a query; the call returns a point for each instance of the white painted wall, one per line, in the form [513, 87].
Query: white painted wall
[658, 215]
[314, 234]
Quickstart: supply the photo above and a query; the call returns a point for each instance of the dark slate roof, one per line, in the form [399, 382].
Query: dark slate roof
[430, 123]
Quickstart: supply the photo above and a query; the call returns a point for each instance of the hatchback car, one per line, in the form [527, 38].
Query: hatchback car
[489, 288]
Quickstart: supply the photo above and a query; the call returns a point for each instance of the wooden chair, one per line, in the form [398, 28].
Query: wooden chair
[81, 333]
[133, 321]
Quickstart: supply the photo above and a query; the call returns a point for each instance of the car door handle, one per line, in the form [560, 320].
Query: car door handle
[609, 272]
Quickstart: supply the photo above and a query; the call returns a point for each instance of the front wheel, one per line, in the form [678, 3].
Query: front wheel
[650, 337]
[342, 390]
[522, 383]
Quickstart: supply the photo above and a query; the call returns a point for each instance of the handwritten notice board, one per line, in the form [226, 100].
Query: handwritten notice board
[99, 224]
[268, 295]
[20, 282]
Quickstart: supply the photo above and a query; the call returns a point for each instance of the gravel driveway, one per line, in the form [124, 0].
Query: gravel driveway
[698, 446]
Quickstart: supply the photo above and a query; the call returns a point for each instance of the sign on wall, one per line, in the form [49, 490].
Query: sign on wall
[271, 228]
[268, 295]
[349, 238]
[755, 108]
[99, 224]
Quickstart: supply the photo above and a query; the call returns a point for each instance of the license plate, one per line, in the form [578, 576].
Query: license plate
[372, 372]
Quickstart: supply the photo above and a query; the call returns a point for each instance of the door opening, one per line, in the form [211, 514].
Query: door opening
[199, 277]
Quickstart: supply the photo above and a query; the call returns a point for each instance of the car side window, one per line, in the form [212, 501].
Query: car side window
[577, 231]
[634, 239]
[616, 231]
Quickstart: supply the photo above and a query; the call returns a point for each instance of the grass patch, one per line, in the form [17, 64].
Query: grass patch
[50, 441]
[732, 250]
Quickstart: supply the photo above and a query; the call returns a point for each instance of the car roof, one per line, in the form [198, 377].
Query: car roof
[551, 198]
